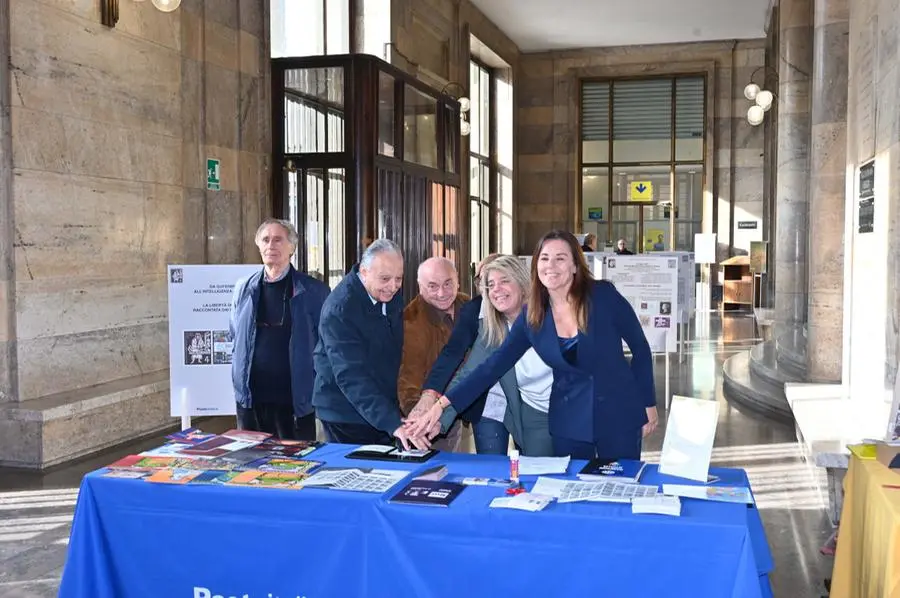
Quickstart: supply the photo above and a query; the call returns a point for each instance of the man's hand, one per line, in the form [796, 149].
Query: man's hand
[408, 442]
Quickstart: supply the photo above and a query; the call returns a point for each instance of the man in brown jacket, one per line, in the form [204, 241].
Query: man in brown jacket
[427, 323]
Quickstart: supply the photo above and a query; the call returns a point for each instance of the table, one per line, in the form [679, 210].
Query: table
[134, 539]
[867, 560]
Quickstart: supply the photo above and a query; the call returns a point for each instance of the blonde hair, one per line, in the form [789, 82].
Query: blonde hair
[496, 327]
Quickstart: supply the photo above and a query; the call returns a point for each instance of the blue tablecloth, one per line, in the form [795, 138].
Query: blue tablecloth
[133, 539]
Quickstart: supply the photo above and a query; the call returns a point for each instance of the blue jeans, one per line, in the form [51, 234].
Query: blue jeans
[491, 437]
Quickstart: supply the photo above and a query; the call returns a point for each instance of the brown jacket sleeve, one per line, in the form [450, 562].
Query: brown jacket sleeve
[414, 366]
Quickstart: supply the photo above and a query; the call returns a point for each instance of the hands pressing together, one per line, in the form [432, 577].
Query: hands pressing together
[423, 423]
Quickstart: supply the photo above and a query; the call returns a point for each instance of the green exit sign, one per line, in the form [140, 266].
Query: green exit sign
[213, 182]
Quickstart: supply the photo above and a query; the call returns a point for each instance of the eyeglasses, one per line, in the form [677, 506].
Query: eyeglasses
[284, 304]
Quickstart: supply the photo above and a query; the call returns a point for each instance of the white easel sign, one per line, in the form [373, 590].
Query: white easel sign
[690, 434]
[200, 343]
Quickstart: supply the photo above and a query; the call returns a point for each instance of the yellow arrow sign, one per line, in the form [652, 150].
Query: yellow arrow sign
[641, 191]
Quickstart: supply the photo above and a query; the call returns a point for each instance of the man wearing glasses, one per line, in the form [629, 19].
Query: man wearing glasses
[274, 326]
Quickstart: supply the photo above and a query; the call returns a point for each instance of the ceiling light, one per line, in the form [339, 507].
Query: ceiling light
[764, 99]
[750, 91]
[755, 115]
[166, 5]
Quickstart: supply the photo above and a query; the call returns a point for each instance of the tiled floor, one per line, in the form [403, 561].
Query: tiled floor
[36, 508]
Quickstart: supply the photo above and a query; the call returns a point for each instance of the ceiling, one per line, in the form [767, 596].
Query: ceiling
[538, 25]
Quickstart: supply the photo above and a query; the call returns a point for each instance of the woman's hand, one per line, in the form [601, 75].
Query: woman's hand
[426, 400]
[424, 423]
[652, 421]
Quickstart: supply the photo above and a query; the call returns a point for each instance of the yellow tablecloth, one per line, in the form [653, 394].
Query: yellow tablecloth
[867, 561]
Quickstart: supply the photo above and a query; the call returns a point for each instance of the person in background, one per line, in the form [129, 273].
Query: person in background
[601, 404]
[427, 325]
[622, 248]
[358, 356]
[590, 243]
[274, 325]
[518, 403]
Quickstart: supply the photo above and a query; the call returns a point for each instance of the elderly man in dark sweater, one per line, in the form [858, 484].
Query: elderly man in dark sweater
[274, 325]
[359, 352]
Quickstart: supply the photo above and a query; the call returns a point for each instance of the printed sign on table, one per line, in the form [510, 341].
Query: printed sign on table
[200, 343]
[650, 284]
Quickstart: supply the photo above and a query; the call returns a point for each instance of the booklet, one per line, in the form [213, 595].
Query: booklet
[268, 479]
[284, 465]
[190, 436]
[173, 476]
[139, 462]
[434, 493]
[215, 477]
[380, 452]
[129, 474]
[218, 447]
[624, 470]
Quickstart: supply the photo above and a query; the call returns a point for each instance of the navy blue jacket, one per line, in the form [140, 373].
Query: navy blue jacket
[358, 358]
[602, 394]
[464, 334]
[306, 304]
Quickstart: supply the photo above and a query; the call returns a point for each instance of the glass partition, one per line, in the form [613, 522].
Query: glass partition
[365, 151]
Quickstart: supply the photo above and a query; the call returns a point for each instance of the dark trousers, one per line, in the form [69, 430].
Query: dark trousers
[277, 420]
[626, 445]
[356, 434]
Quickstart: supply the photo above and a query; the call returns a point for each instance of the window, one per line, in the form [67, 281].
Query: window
[481, 185]
[309, 27]
[314, 110]
[639, 137]
[420, 141]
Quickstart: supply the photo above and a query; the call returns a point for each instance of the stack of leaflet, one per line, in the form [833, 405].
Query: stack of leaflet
[355, 479]
[525, 501]
[624, 470]
[605, 491]
[657, 505]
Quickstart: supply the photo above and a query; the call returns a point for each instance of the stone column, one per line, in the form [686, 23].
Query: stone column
[7, 228]
[792, 187]
[828, 159]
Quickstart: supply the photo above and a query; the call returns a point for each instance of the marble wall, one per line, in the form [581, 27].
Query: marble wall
[548, 117]
[110, 132]
[873, 130]
[7, 304]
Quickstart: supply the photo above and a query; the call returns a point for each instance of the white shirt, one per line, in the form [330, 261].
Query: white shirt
[374, 300]
[534, 378]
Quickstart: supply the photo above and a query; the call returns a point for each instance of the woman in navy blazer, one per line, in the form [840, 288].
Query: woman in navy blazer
[601, 405]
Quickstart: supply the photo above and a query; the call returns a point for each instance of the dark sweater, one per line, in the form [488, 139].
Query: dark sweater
[270, 373]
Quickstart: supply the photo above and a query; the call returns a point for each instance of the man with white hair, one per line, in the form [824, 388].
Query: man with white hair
[358, 356]
[427, 323]
[274, 327]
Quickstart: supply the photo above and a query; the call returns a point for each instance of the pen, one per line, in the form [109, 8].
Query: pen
[893, 487]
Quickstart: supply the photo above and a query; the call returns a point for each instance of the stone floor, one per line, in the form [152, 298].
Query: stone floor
[36, 508]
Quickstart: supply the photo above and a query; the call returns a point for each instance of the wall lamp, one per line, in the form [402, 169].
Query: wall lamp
[109, 9]
[464, 105]
[761, 97]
